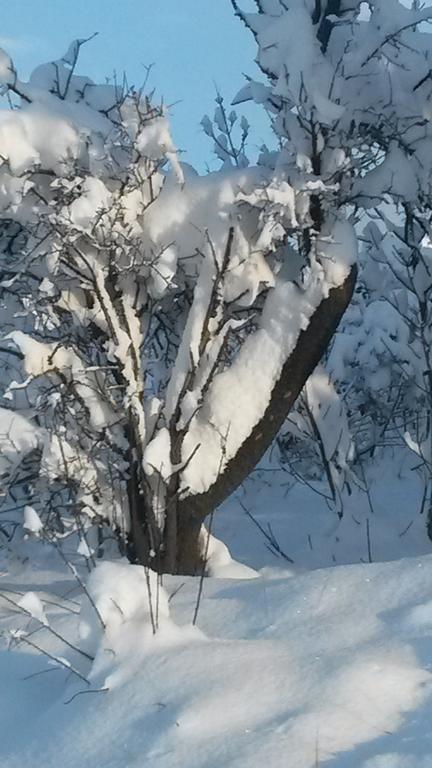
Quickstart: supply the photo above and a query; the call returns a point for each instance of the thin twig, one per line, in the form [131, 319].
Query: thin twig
[47, 626]
[368, 540]
[80, 693]
[56, 659]
[269, 535]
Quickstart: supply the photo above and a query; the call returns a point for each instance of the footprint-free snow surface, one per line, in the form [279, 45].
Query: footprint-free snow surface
[285, 671]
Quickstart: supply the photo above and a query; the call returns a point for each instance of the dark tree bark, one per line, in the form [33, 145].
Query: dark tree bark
[189, 558]
[144, 539]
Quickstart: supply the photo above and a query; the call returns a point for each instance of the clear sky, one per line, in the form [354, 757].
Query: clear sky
[193, 44]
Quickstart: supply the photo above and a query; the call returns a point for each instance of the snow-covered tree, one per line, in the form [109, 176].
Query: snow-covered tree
[163, 323]
[167, 322]
[348, 87]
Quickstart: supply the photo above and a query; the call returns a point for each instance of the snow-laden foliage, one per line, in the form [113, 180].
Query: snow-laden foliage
[158, 325]
[147, 312]
[229, 135]
[348, 88]
[316, 439]
[381, 357]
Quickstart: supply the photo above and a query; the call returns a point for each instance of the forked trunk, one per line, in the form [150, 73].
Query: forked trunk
[311, 346]
[181, 546]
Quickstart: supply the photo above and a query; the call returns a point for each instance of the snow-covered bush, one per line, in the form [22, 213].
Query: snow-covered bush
[348, 90]
[148, 306]
[393, 341]
[157, 325]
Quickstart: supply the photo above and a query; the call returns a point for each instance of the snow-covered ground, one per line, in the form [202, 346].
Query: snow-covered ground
[306, 664]
[327, 666]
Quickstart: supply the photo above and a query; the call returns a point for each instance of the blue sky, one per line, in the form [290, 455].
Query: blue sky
[193, 44]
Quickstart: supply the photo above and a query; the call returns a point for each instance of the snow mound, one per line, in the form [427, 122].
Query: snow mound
[124, 617]
[118, 593]
[220, 564]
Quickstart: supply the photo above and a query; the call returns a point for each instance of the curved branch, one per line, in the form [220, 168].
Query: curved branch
[310, 347]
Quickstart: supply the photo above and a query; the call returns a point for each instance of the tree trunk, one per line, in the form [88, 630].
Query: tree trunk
[181, 548]
[189, 555]
[138, 545]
